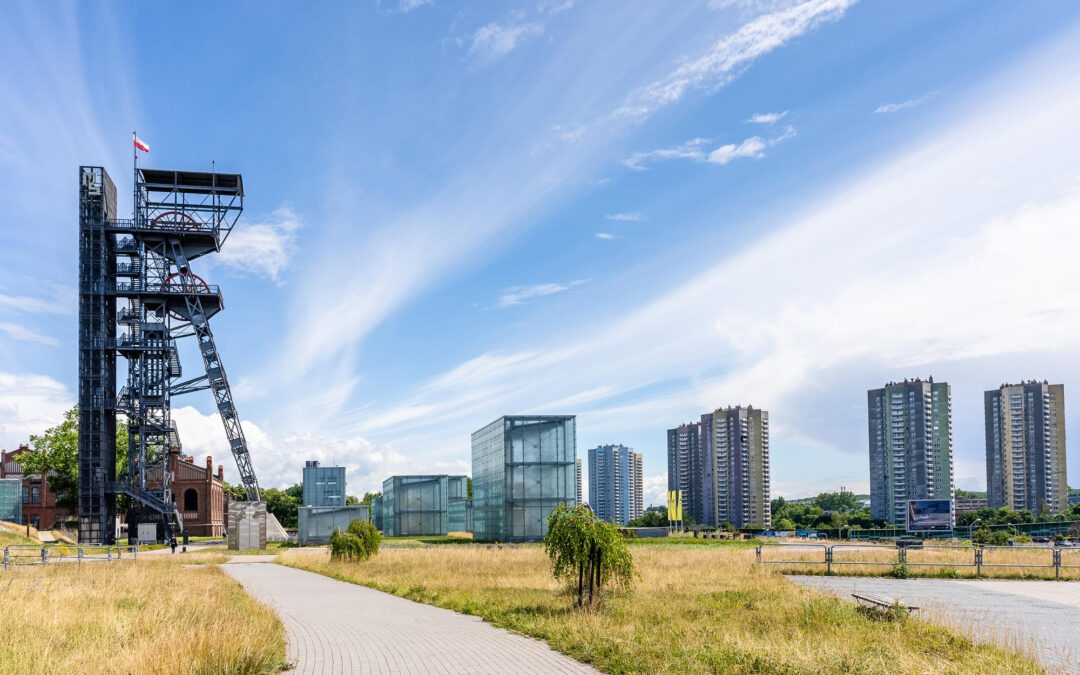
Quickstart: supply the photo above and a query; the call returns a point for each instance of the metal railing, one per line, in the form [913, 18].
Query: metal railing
[1033, 557]
[26, 554]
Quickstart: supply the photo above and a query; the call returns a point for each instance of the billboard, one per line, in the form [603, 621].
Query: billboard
[929, 515]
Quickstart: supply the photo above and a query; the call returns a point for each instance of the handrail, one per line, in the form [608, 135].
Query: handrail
[20, 554]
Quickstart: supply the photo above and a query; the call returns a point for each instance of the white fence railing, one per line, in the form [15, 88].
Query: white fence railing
[25, 554]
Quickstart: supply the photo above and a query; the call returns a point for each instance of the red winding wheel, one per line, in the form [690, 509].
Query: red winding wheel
[184, 282]
[177, 219]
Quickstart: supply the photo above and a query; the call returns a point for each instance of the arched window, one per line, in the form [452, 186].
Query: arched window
[191, 500]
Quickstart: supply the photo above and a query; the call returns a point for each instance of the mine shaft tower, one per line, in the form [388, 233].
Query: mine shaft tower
[143, 265]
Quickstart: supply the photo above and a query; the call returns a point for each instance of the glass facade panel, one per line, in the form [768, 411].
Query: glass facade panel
[324, 485]
[11, 500]
[315, 523]
[523, 467]
[417, 505]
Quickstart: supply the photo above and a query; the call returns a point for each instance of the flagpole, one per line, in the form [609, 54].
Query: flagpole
[134, 180]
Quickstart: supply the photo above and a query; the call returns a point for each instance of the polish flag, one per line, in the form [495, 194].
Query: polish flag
[141, 145]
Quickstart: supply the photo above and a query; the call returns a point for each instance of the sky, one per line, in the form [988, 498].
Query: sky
[633, 212]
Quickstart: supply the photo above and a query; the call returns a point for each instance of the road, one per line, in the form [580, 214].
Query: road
[337, 627]
[1040, 618]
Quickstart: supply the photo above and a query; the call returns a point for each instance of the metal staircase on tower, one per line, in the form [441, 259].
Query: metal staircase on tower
[145, 263]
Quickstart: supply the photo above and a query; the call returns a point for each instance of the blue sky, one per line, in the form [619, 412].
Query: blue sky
[632, 212]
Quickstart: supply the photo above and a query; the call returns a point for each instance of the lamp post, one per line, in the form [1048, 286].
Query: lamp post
[971, 529]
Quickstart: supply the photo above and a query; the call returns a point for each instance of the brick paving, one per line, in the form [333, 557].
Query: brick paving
[1039, 618]
[337, 627]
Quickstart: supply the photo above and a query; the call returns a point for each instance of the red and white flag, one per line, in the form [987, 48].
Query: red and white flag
[141, 145]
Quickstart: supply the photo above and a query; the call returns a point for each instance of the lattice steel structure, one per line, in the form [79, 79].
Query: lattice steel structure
[145, 264]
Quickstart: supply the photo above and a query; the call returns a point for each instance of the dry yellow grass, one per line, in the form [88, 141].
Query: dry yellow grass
[153, 616]
[694, 610]
[929, 561]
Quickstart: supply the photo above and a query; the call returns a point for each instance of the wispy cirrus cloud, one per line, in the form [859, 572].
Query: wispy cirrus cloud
[20, 332]
[698, 150]
[519, 295]
[633, 216]
[58, 300]
[766, 118]
[606, 235]
[904, 105]
[732, 54]
[262, 248]
[493, 41]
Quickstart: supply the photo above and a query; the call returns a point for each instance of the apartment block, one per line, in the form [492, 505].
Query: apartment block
[684, 466]
[735, 473]
[911, 453]
[1025, 447]
[615, 483]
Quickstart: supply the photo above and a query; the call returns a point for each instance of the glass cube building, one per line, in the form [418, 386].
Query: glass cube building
[418, 505]
[315, 523]
[324, 485]
[523, 467]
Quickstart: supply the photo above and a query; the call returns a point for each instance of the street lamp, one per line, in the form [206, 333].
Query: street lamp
[971, 529]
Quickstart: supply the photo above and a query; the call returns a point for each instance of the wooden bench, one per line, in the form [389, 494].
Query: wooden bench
[880, 601]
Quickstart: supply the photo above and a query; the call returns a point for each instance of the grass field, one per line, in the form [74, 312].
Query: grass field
[695, 609]
[930, 561]
[153, 616]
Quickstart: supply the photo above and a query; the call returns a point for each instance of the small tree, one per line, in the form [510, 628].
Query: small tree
[981, 536]
[358, 542]
[586, 552]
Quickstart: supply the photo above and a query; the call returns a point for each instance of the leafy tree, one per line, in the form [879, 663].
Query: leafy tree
[1000, 537]
[837, 501]
[283, 504]
[586, 552]
[236, 492]
[368, 496]
[55, 454]
[654, 516]
[784, 525]
[358, 542]
[468, 487]
[981, 536]
[351, 501]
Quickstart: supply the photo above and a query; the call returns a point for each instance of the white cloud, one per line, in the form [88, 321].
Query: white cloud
[492, 41]
[696, 150]
[554, 6]
[654, 490]
[731, 54]
[262, 248]
[624, 217]
[278, 461]
[605, 235]
[30, 404]
[18, 332]
[767, 118]
[904, 105]
[60, 300]
[517, 295]
[406, 6]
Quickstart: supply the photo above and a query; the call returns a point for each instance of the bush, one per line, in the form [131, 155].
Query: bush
[900, 571]
[981, 536]
[586, 552]
[359, 541]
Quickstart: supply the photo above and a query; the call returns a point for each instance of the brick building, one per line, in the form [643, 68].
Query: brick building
[200, 494]
[38, 501]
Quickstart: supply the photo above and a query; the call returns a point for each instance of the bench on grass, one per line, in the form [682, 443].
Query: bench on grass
[880, 601]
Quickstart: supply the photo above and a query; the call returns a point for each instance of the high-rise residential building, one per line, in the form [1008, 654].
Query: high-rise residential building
[1025, 447]
[323, 485]
[577, 469]
[735, 472]
[684, 466]
[523, 467]
[615, 483]
[911, 455]
[637, 508]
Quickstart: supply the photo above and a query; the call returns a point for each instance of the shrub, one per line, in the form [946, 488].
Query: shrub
[981, 536]
[900, 571]
[359, 541]
[586, 552]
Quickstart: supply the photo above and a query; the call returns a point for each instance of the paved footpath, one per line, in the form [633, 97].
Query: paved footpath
[337, 627]
[1041, 618]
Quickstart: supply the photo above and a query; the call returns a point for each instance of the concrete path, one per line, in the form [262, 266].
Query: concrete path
[337, 627]
[1040, 618]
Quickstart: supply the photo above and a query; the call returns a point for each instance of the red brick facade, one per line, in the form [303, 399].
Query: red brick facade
[39, 502]
[200, 495]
